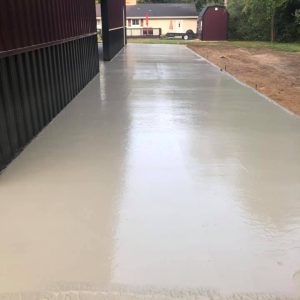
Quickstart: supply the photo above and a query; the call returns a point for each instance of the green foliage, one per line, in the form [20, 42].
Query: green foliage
[297, 16]
[264, 20]
[239, 24]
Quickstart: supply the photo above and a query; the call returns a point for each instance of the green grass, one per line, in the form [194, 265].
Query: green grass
[160, 41]
[290, 47]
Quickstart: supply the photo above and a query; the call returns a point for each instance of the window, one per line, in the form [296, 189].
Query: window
[148, 31]
[135, 22]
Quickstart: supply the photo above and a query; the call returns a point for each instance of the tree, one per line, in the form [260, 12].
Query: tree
[264, 12]
[239, 24]
[263, 20]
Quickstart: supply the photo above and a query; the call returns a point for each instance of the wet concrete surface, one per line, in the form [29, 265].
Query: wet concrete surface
[163, 179]
[100, 50]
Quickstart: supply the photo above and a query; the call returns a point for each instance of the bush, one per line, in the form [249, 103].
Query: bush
[251, 20]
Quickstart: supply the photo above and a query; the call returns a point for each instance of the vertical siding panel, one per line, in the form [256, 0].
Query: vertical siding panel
[71, 69]
[5, 22]
[5, 148]
[15, 100]
[57, 18]
[67, 75]
[39, 21]
[24, 96]
[41, 84]
[36, 89]
[33, 105]
[52, 83]
[48, 87]
[8, 107]
[28, 25]
[34, 23]
[62, 74]
[75, 63]
[54, 80]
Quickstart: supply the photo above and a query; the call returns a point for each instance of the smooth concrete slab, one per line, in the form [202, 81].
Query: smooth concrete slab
[164, 179]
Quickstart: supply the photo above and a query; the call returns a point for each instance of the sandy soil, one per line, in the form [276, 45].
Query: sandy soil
[273, 73]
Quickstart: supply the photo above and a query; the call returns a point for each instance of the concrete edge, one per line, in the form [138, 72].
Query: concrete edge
[245, 84]
[132, 294]
[116, 56]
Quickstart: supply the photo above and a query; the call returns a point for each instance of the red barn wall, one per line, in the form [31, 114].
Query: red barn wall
[113, 27]
[36, 22]
[215, 24]
[48, 53]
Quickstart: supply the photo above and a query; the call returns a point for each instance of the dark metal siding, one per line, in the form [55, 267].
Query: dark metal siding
[113, 27]
[50, 54]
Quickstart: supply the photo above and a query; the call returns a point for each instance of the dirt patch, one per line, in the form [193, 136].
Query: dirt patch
[275, 74]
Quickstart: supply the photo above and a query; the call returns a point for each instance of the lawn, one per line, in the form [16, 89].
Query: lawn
[290, 47]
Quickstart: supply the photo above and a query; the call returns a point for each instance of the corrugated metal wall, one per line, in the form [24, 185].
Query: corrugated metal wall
[48, 54]
[113, 27]
[36, 22]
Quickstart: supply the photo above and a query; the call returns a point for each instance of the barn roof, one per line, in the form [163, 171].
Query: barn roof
[205, 9]
[159, 10]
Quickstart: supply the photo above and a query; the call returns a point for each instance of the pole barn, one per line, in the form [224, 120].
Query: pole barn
[113, 27]
[48, 54]
[213, 23]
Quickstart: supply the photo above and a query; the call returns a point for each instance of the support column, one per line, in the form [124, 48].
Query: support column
[113, 27]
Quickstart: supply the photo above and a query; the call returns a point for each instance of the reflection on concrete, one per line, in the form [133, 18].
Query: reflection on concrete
[59, 199]
[170, 181]
[100, 50]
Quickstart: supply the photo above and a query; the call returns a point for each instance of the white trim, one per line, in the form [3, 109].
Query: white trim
[124, 26]
[117, 28]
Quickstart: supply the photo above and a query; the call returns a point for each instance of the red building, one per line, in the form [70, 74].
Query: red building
[48, 54]
[213, 23]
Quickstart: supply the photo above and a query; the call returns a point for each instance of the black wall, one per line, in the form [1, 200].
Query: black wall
[40, 73]
[113, 27]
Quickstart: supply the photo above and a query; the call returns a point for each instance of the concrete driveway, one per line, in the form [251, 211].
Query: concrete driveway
[164, 179]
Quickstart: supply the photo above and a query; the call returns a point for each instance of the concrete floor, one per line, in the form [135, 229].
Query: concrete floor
[164, 179]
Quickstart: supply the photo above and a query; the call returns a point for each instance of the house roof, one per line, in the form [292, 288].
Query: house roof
[203, 11]
[162, 10]
[158, 10]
